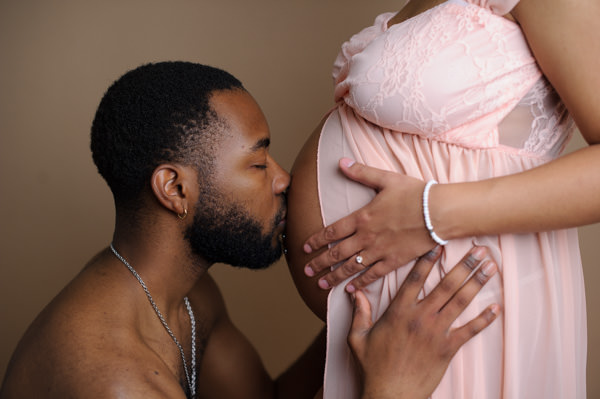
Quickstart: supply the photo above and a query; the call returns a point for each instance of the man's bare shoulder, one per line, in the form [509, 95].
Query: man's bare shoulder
[85, 343]
[90, 341]
[68, 361]
[111, 375]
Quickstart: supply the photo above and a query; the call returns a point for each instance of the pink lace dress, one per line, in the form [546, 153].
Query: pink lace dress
[454, 94]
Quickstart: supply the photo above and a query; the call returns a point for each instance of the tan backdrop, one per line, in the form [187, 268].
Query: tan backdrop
[58, 57]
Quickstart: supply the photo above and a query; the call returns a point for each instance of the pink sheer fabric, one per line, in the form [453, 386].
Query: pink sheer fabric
[454, 94]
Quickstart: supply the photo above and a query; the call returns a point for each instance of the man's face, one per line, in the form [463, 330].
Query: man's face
[240, 212]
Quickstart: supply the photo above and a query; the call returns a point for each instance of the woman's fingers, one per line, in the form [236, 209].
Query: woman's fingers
[350, 267]
[373, 273]
[462, 334]
[361, 321]
[343, 251]
[341, 229]
[373, 268]
[366, 175]
[413, 337]
[465, 295]
[455, 279]
[361, 315]
[412, 285]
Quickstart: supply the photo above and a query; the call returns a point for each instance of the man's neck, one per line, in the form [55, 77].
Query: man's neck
[163, 261]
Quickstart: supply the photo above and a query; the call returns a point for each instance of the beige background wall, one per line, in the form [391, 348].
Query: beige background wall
[56, 60]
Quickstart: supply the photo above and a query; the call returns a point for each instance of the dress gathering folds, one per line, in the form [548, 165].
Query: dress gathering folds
[455, 94]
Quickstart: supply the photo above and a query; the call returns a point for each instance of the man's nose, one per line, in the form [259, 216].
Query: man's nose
[281, 180]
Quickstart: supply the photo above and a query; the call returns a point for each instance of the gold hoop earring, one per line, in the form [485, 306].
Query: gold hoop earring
[184, 214]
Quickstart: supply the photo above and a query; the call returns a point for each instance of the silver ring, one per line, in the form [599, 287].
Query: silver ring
[359, 259]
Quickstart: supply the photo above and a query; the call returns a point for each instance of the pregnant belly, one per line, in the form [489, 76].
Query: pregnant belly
[304, 219]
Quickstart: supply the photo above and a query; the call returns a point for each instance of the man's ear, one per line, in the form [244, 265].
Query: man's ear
[172, 187]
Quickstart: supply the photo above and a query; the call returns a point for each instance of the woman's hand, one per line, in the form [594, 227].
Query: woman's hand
[387, 233]
[405, 354]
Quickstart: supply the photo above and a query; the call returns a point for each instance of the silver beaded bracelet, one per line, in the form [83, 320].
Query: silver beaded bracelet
[426, 216]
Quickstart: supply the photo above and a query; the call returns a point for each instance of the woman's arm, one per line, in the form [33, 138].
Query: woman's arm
[563, 193]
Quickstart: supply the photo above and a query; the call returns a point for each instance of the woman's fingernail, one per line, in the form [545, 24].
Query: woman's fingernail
[350, 288]
[347, 162]
[309, 271]
[307, 248]
[479, 253]
[495, 308]
[434, 252]
[488, 268]
[493, 313]
[323, 284]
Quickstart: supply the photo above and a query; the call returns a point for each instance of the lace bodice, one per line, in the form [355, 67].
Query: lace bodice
[474, 83]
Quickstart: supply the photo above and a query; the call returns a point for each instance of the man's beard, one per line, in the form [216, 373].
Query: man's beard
[224, 232]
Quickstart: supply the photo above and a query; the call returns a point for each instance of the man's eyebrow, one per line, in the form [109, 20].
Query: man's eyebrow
[261, 144]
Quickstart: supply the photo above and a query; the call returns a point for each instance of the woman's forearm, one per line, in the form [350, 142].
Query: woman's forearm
[563, 193]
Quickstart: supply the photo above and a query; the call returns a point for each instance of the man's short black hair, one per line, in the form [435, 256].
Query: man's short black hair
[154, 114]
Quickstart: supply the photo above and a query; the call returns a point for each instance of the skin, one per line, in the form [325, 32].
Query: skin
[303, 218]
[99, 337]
[568, 53]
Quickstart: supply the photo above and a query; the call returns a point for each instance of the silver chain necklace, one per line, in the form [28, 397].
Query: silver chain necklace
[191, 381]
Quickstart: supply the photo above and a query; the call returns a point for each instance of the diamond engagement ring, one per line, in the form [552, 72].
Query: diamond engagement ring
[359, 259]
